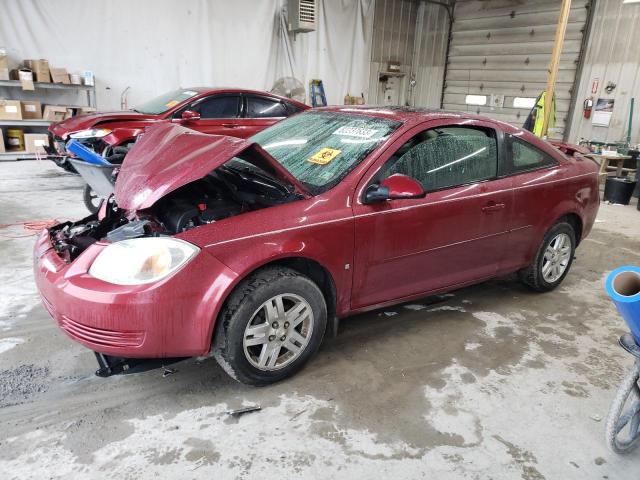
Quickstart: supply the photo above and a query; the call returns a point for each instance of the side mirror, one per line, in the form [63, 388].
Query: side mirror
[189, 115]
[395, 187]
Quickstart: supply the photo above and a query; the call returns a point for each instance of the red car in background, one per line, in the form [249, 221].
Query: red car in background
[220, 111]
[255, 249]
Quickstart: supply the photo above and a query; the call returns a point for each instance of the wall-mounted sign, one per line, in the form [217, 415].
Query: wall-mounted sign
[603, 112]
[594, 85]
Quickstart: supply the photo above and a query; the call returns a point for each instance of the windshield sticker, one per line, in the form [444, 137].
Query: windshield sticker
[356, 132]
[172, 103]
[324, 156]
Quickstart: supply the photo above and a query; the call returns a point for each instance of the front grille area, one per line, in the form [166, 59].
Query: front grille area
[99, 336]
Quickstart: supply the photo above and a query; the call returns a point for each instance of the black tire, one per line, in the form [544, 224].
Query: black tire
[621, 409]
[532, 275]
[91, 200]
[247, 298]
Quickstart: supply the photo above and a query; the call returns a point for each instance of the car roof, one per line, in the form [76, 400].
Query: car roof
[412, 115]
[212, 90]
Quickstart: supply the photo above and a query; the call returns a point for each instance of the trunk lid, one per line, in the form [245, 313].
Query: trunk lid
[168, 156]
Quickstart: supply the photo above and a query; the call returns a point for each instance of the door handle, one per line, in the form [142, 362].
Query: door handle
[492, 207]
[229, 125]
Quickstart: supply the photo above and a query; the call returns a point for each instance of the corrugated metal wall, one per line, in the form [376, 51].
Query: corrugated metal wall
[430, 53]
[612, 55]
[413, 33]
[503, 47]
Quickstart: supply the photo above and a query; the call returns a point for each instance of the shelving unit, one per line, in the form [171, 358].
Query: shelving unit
[21, 155]
[90, 89]
[25, 123]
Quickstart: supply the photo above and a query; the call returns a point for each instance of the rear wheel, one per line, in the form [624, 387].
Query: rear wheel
[553, 259]
[270, 327]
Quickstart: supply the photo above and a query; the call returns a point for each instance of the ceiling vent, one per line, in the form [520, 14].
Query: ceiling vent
[302, 15]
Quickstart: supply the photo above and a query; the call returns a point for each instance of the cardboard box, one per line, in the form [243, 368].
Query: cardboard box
[26, 78]
[60, 75]
[35, 142]
[10, 110]
[85, 110]
[54, 113]
[4, 64]
[40, 69]
[31, 110]
[1, 142]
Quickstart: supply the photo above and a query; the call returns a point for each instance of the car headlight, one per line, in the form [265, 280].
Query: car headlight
[141, 260]
[91, 133]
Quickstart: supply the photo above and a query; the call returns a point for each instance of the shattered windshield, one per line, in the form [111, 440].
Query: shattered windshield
[165, 102]
[321, 148]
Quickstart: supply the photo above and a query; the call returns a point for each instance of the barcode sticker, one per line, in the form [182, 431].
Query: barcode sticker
[11, 109]
[29, 108]
[355, 132]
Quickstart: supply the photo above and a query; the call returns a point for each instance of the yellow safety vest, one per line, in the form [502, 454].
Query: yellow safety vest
[539, 115]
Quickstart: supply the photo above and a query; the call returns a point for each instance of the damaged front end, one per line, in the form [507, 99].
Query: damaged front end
[175, 180]
[133, 250]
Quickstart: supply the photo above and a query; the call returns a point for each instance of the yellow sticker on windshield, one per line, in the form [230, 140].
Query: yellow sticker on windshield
[324, 156]
[172, 103]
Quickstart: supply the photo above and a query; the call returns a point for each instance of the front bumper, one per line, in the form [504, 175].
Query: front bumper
[170, 318]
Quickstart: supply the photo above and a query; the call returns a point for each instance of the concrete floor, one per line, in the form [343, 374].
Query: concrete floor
[491, 381]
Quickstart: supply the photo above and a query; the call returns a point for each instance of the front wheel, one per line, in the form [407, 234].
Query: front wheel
[270, 327]
[622, 430]
[553, 259]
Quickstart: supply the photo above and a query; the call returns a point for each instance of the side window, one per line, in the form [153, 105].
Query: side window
[220, 106]
[527, 157]
[291, 109]
[446, 156]
[261, 107]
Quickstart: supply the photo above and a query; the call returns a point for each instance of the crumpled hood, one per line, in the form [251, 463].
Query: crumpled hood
[168, 156]
[89, 120]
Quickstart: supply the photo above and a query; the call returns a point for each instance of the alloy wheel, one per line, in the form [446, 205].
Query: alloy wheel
[556, 258]
[278, 332]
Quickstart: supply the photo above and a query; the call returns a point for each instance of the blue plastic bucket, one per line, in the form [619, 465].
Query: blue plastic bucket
[623, 286]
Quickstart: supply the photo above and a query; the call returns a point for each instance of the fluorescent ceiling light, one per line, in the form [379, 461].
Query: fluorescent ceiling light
[631, 1]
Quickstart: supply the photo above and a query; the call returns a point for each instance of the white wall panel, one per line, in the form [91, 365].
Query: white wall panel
[612, 55]
[157, 45]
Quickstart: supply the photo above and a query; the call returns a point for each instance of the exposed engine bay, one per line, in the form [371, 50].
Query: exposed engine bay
[235, 188]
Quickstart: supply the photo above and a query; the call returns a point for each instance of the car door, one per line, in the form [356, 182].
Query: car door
[219, 115]
[536, 192]
[457, 234]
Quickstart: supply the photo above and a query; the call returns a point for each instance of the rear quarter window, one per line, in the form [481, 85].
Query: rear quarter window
[525, 157]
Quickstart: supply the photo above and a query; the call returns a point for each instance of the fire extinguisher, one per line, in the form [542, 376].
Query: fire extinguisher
[587, 106]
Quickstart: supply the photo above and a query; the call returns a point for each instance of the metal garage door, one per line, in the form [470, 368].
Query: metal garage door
[503, 48]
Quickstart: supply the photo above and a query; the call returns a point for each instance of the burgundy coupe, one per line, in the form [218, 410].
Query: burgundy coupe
[251, 249]
[221, 111]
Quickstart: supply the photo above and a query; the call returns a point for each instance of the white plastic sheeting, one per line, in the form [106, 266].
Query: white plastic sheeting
[154, 46]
